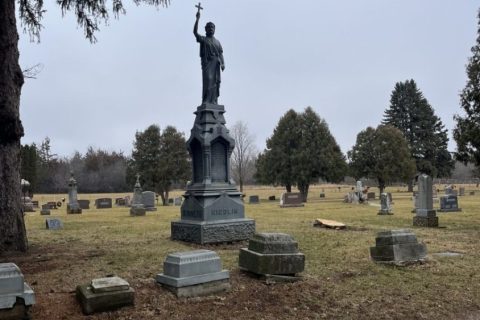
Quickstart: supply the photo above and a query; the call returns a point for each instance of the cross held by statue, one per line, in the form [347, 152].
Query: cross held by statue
[199, 6]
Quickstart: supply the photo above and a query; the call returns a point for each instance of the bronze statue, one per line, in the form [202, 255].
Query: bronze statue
[211, 53]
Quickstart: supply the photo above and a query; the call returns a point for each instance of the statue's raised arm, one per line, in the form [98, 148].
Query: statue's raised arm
[195, 26]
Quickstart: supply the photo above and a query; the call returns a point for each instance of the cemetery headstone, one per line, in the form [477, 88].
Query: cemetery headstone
[194, 273]
[272, 254]
[72, 205]
[397, 247]
[35, 203]
[53, 224]
[213, 210]
[105, 294]
[461, 191]
[390, 197]
[371, 196]
[52, 204]
[84, 204]
[448, 190]
[472, 193]
[271, 198]
[120, 201]
[45, 210]
[13, 287]
[449, 203]
[137, 208]
[177, 201]
[385, 207]
[425, 215]
[103, 203]
[148, 200]
[128, 201]
[27, 204]
[253, 199]
[322, 195]
[170, 201]
[291, 199]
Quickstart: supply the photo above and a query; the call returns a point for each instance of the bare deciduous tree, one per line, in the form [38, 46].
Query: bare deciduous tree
[244, 154]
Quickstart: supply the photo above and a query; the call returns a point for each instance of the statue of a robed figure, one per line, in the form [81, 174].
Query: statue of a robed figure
[213, 209]
[211, 53]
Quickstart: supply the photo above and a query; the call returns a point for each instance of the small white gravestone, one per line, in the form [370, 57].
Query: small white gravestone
[12, 286]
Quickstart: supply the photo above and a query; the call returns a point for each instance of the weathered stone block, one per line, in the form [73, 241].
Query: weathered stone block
[397, 247]
[105, 294]
[13, 289]
[272, 253]
[425, 221]
[137, 210]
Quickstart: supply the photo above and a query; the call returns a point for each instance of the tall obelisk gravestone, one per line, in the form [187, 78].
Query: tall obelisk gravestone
[213, 210]
[425, 216]
[72, 205]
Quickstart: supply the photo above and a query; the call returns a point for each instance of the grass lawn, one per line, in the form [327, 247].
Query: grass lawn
[340, 280]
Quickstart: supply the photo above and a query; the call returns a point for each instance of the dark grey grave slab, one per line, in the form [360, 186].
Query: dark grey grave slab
[322, 195]
[103, 203]
[120, 202]
[170, 201]
[398, 247]
[291, 199]
[35, 203]
[449, 203]
[271, 198]
[45, 210]
[12, 288]
[105, 294]
[52, 204]
[272, 253]
[84, 204]
[371, 196]
[253, 199]
[194, 273]
[53, 224]
[148, 199]
[461, 191]
[472, 193]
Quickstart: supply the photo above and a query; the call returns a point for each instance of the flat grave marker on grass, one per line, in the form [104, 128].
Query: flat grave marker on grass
[330, 224]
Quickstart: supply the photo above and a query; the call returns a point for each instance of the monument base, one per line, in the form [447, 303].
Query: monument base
[92, 302]
[281, 263]
[18, 311]
[136, 211]
[385, 213]
[450, 210]
[73, 209]
[425, 221]
[203, 232]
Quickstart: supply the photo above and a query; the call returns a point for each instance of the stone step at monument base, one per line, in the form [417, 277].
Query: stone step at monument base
[202, 232]
[429, 222]
[73, 209]
[201, 289]
[385, 213]
[137, 211]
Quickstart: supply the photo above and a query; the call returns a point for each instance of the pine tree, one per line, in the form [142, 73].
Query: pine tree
[425, 133]
[467, 129]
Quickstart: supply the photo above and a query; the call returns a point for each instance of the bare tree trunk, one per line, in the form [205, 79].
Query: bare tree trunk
[13, 235]
[288, 187]
[410, 186]
[303, 188]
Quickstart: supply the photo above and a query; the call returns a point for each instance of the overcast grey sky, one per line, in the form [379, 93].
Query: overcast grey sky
[342, 58]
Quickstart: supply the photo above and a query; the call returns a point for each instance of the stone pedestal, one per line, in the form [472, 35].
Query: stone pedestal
[73, 207]
[272, 253]
[105, 294]
[138, 206]
[194, 273]
[397, 247]
[425, 215]
[213, 210]
[15, 295]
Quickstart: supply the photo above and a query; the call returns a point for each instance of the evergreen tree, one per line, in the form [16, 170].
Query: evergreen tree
[467, 129]
[161, 158]
[89, 15]
[425, 133]
[29, 165]
[382, 154]
[301, 151]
